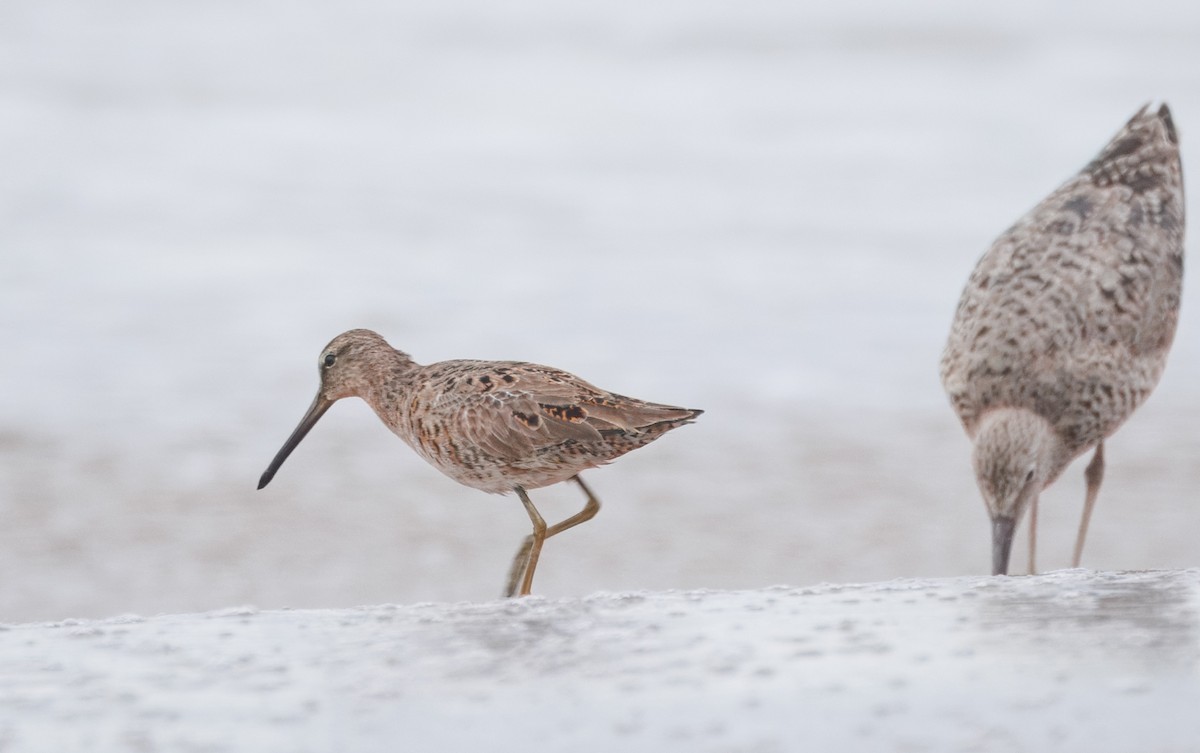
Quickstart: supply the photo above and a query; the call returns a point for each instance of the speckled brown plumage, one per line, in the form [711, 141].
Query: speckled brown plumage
[497, 426]
[1064, 326]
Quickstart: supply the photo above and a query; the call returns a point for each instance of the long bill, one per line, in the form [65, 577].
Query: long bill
[315, 411]
[1002, 539]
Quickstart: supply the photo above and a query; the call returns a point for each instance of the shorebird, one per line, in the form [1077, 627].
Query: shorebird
[497, 426]
[1064, 326]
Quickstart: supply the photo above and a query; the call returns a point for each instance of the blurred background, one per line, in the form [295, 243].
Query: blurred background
[765, 210]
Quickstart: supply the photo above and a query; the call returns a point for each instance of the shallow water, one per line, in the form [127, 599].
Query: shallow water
[1073, 660]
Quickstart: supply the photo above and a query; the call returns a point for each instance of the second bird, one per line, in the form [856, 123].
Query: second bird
[1064, 326]
[498, 426]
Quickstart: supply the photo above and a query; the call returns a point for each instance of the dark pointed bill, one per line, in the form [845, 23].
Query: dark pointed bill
[1002, 538]
[315, 411]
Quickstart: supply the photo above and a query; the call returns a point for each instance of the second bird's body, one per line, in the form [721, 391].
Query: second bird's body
[1063, 328]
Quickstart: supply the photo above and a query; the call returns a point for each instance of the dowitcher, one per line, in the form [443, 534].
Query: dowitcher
[1064, 326]
[498, 426]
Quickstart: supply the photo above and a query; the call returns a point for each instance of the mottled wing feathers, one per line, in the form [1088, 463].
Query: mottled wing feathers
[511, 410]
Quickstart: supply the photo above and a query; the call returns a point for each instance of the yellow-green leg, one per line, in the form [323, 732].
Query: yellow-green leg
[525, 562]
[1033, 507]
[1094, 474]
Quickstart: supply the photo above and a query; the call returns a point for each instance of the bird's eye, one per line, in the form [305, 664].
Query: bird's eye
[329, 359]
[1029, 476]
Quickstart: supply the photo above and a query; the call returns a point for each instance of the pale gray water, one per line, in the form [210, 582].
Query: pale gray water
[764, 211]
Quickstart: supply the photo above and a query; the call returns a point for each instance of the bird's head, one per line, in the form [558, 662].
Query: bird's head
[1014, 459]
[351, 362]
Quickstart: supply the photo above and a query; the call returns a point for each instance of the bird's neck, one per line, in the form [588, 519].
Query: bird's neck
[398, 372]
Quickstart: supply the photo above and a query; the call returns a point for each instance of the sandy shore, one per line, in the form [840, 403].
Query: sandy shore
[1069, 661]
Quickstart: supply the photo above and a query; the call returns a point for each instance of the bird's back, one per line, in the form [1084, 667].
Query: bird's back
[1072, 310]
[493, 425]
